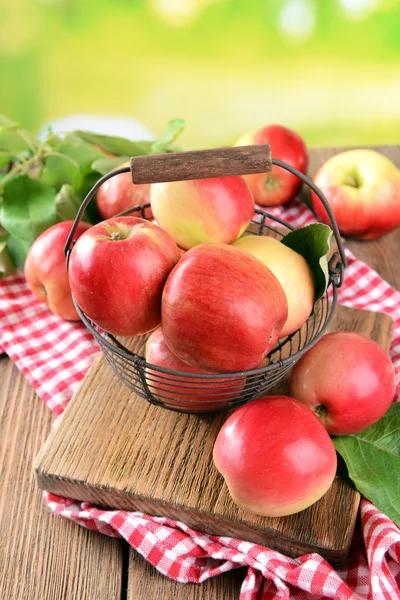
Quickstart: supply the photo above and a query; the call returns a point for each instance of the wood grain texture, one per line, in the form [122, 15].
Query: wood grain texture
[218, 162]
[146, 583]
[135, 456]
[42, 557]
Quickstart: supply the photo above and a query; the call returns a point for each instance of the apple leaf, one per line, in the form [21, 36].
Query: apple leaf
[18, 249]
[105, 165]
[372, 458]
[114, 144]
[312, 242]
[7, 266]
[66, 203]
[169, 135]
[81, 152]
[68, 161]
[27, 208]
[59, 170]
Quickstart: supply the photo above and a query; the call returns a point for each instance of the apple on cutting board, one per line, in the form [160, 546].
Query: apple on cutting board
[347, 379]
[275, 456]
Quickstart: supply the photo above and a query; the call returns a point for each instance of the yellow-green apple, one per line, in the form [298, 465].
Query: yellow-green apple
[363, 189]
[203, 210]
[117, 272]
[291, 270]
[347, 379]
[275, 456]
[46, 272]
[192, 395]
[278, 186]
[119, 194]
[222, 309]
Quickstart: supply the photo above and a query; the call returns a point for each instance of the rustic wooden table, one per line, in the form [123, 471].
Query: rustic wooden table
[43, 557]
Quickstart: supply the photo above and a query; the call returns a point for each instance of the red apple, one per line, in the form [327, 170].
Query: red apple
[347, 379]
[275, 456]
[222, 309]
[203, 210]
[46, 272]
[119, 194]
[363, 189]
[278, 186]
[196, 395]
[117, 273]
[291, 270]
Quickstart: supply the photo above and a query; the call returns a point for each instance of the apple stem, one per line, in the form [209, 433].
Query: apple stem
[115, 235]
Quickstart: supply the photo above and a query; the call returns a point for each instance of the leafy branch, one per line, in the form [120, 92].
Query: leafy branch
[43, 182]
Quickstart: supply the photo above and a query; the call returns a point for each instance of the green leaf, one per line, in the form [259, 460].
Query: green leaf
[83, 153]
[67, 203]
[69, 161]
[372, 458]
[312, 242]
[170, 134]
[114, 144]
[27, 208]
[105, 165]
[91, 213]
[60, 169]
[18, 250]
[7, 266]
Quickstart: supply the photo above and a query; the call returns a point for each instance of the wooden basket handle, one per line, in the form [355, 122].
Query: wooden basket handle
[198, 164]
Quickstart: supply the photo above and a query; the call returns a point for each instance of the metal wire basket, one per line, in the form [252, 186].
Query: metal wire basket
[204, 393]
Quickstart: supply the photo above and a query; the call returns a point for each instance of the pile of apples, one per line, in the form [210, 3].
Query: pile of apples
[216, 300]
[222, 299]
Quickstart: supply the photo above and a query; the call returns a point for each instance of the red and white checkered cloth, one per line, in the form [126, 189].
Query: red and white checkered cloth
[55, 355]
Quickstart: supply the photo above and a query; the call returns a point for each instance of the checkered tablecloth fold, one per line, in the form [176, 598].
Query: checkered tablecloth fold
[54, 356]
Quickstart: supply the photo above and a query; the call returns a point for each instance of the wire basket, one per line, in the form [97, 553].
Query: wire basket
[204, 393]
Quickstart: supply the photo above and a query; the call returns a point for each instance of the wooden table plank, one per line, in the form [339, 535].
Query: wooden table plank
[42, 557]
[145, 583]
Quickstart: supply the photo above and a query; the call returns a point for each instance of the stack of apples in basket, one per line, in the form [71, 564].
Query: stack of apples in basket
[215, 299]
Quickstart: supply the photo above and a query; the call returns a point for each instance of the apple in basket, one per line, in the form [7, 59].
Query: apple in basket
[203, 210]
[222, 309]
[46, 272]
[347, 379]
[119, 194]
[194, 394]
[276, 456]
[117, 272]
[278, 186]
[363, 190]
[291, 270]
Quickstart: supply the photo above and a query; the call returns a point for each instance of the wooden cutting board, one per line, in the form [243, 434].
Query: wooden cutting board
[114, 449]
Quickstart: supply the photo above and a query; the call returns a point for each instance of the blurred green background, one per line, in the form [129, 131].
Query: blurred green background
[327, 68]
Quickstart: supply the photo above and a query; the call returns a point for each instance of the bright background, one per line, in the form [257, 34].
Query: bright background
[328, 68]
